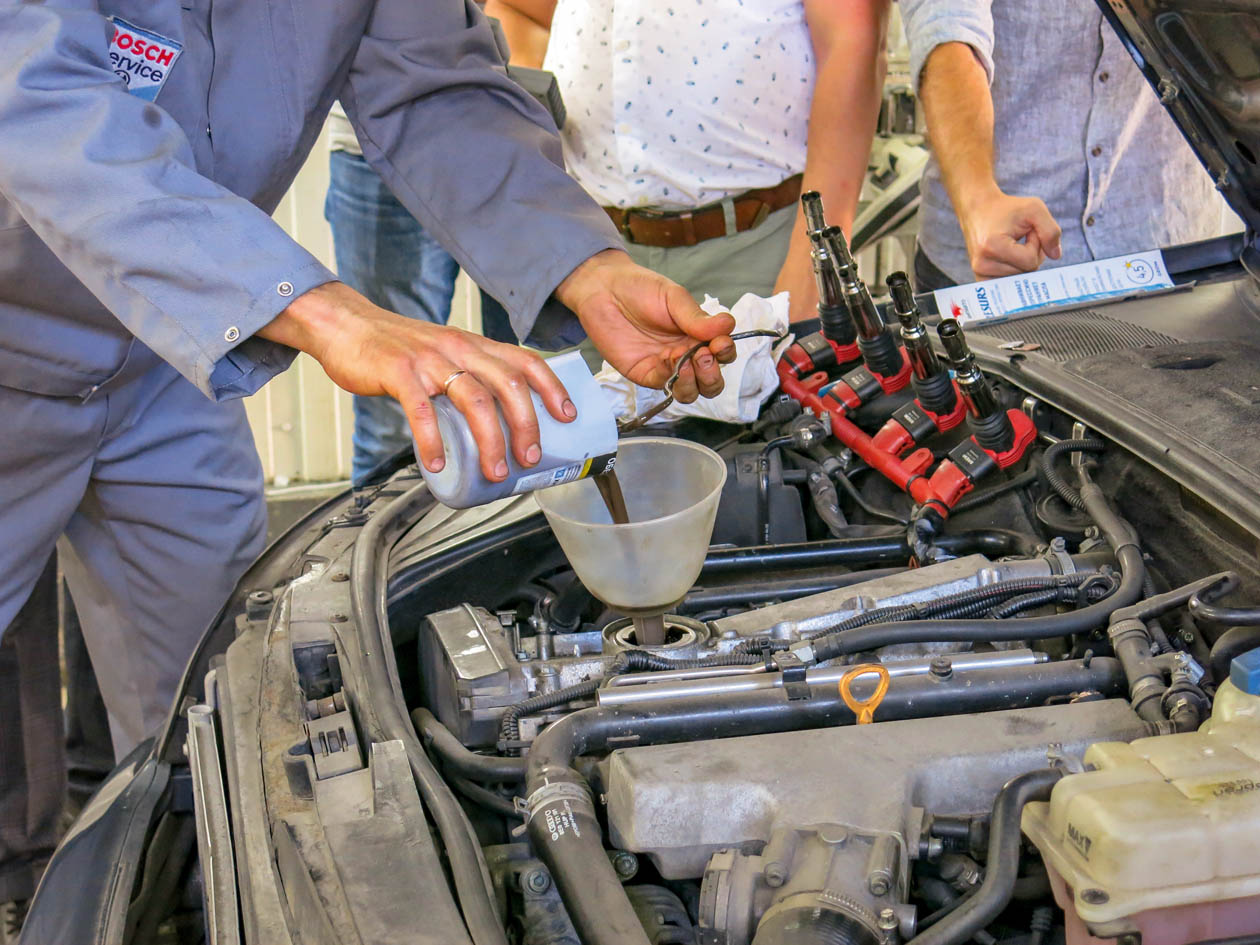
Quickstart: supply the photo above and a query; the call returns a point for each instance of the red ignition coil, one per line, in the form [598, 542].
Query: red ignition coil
[881, 354]
[1005, 435]
[937, 406]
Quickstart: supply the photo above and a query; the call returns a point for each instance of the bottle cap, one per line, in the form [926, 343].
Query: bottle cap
[1244, 672]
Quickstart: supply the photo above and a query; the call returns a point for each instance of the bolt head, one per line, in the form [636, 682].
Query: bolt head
[878, 885]
[775, 875]
[625, 863]
[537, 881]
[941, 666]
[888, 920]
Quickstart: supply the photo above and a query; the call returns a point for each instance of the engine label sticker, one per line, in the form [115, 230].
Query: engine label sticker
[141, 58]
[1062, 287]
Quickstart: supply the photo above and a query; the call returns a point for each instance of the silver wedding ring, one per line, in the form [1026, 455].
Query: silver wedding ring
[451, 378]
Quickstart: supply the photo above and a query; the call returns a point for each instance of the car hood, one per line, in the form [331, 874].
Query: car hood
[1202, 57]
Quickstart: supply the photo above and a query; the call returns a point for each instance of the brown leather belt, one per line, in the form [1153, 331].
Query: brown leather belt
[668, 228]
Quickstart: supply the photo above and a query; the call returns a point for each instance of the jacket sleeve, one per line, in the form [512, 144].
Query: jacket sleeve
[108, 182]
[931, 23]
[474, 158]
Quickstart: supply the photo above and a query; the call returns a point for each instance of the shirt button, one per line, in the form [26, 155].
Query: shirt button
[1096, 151]
[232, 334]
[1089, 221]
[285, 289]
[1104, 76]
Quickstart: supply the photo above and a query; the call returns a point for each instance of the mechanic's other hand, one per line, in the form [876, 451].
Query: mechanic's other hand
[368, 350]
[643, 323]
[1008, 235]
[797, 278]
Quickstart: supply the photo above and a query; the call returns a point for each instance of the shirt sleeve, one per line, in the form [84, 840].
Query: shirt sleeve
[474, 158]
[108, 182]
[930, 23]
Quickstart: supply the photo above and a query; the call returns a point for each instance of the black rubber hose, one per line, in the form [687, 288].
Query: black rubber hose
[1059, 595]
[388, 719]
[822, 492]
[1056, 481]
[1117, 533]
[1204, 611]
[977, 499]
[860, 501]
[627, 661]
[564, 613]
[1233, 642]
[975, 912]
[880, 549]
[987, 595]
[482, 796]
[874, 636]
[763, 484]
[563, 825]
[458, 759]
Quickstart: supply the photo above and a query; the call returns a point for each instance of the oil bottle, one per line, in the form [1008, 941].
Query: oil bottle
[586, 446]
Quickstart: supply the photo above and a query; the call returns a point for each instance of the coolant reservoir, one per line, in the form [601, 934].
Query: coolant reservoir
[1163, 837]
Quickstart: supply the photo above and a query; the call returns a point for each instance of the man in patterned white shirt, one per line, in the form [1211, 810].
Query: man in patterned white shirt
[697, 124]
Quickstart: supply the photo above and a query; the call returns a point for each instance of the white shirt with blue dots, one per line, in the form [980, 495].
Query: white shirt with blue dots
[678, 103]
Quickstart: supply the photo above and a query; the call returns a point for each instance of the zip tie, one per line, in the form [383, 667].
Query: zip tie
[864, 709]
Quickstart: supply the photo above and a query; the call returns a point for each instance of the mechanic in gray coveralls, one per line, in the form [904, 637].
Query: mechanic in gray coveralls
[144, 288]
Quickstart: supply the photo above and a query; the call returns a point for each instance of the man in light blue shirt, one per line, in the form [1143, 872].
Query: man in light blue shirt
[1048, 144]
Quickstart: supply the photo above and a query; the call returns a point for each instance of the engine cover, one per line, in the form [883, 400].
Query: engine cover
[679, 804]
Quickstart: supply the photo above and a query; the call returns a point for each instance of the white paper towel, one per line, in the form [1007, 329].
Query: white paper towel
[750, 378]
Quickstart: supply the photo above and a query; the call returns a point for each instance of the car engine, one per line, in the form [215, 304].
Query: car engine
[954, 668]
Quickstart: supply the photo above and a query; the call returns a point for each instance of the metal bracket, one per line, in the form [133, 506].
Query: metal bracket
[795, 683]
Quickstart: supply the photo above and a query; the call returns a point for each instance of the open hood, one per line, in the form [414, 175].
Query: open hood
[1202, 57]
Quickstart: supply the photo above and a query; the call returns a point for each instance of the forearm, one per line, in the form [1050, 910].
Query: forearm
[527, 30]
[958, 108]
[843, 114]
[842, 123]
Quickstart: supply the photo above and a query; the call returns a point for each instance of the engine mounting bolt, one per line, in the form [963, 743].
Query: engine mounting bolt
[941, 667]
[536, 881]
[1095, 897]
[258, 604]
[340, 577]
[625, 863]
[775, 874]
[888, 920]
[878, 884]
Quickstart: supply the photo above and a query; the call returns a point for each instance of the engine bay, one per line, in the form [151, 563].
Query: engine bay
[1038, 642]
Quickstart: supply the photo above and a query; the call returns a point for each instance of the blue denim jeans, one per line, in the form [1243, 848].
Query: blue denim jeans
[384, 253]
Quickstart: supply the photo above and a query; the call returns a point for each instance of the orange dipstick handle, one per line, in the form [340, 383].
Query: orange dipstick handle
[864, 709]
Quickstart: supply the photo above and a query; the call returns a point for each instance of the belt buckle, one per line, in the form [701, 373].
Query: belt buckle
[647, 214]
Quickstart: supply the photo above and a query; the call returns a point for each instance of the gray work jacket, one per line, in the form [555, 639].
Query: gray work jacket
[135, 224]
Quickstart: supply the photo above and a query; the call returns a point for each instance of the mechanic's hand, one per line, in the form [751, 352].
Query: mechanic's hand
[368, 350]
[642, 323]
[1008, 235]
[797, 278]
